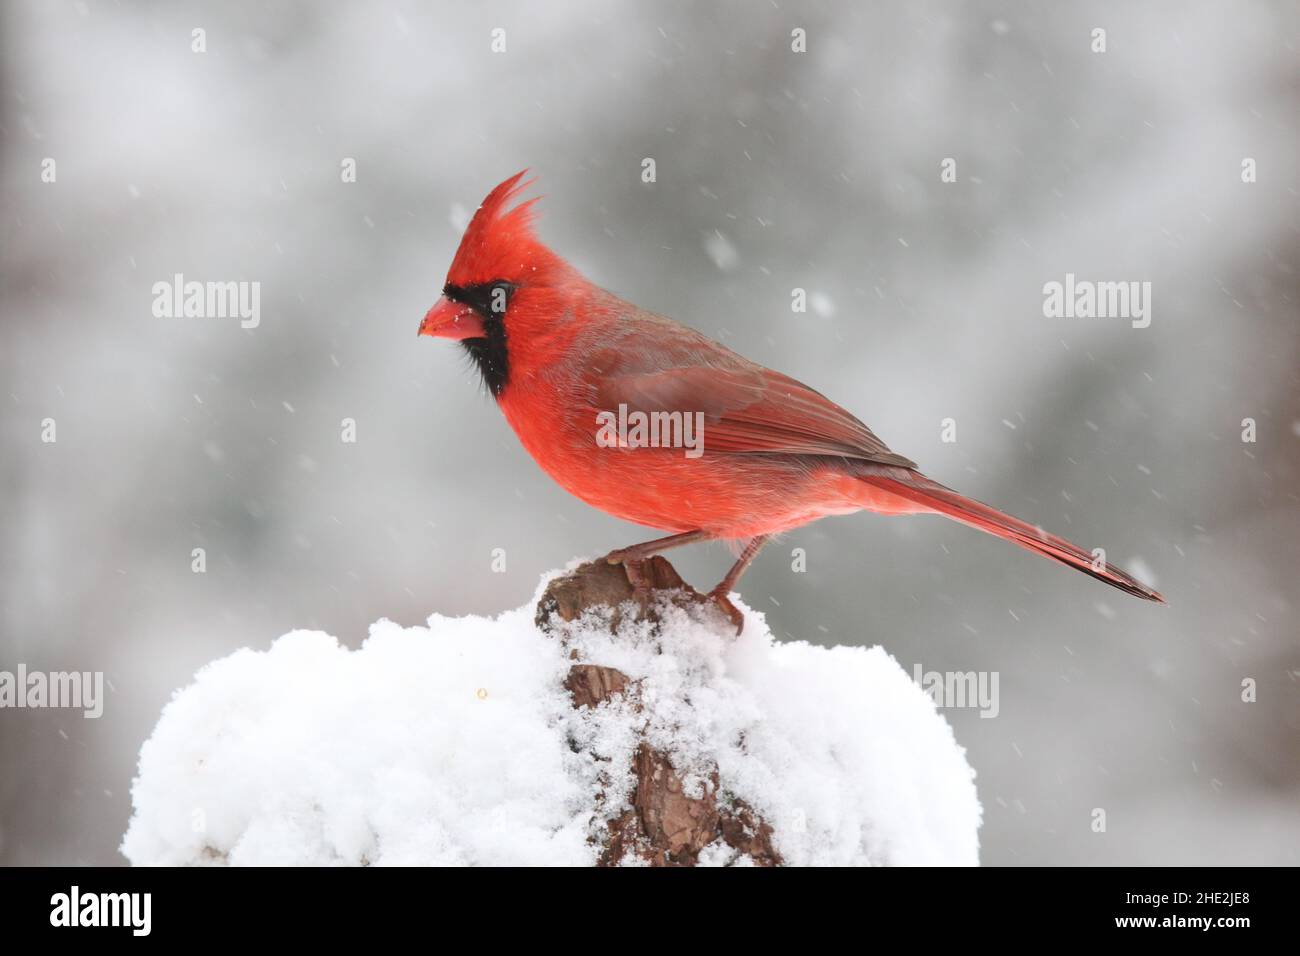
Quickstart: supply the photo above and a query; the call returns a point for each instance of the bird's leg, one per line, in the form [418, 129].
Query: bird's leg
[719, 594]
[639, 552]
[746, 558]
[632, 558]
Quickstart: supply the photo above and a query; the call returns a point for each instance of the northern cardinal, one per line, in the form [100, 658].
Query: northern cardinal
[562, 356]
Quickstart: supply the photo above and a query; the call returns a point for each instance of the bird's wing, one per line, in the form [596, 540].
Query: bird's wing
[747, 408]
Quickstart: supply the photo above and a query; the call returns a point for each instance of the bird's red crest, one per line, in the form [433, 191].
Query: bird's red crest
[499, 243]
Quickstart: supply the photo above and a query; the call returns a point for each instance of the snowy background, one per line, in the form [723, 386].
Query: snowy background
[816, 170]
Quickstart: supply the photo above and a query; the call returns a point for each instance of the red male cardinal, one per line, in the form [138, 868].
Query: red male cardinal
[561, 356]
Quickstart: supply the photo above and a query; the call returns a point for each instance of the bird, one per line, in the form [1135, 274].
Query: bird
[565, 359]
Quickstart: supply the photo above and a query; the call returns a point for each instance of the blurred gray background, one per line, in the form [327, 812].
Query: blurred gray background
[776, 170]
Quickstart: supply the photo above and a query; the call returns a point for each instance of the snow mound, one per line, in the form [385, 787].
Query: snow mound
[457, 744]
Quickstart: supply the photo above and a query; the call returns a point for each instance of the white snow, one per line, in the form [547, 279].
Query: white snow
[722, 251]
[823, 305]
[456, 743]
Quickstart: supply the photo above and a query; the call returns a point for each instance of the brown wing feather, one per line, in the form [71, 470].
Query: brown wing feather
[654, 364]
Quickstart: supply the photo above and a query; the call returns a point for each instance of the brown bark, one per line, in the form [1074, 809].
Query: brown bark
[663, 826]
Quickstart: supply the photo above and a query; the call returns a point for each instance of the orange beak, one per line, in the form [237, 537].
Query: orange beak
[451, 320]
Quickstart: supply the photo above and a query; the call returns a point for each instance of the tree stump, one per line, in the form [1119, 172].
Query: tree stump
[663, 826]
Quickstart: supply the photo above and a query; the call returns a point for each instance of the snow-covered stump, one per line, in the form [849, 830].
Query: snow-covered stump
[670, 821]
[587, 728]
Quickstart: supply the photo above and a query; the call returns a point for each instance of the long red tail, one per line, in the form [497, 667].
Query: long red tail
[934, 496]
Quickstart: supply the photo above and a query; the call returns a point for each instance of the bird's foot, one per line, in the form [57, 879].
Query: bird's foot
[732, 613]
[634, 568]
[622, 556]
[640, 572]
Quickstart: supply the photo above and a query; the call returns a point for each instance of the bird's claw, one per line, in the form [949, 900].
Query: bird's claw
[642, 590]
[635, 571]
[723, 603]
